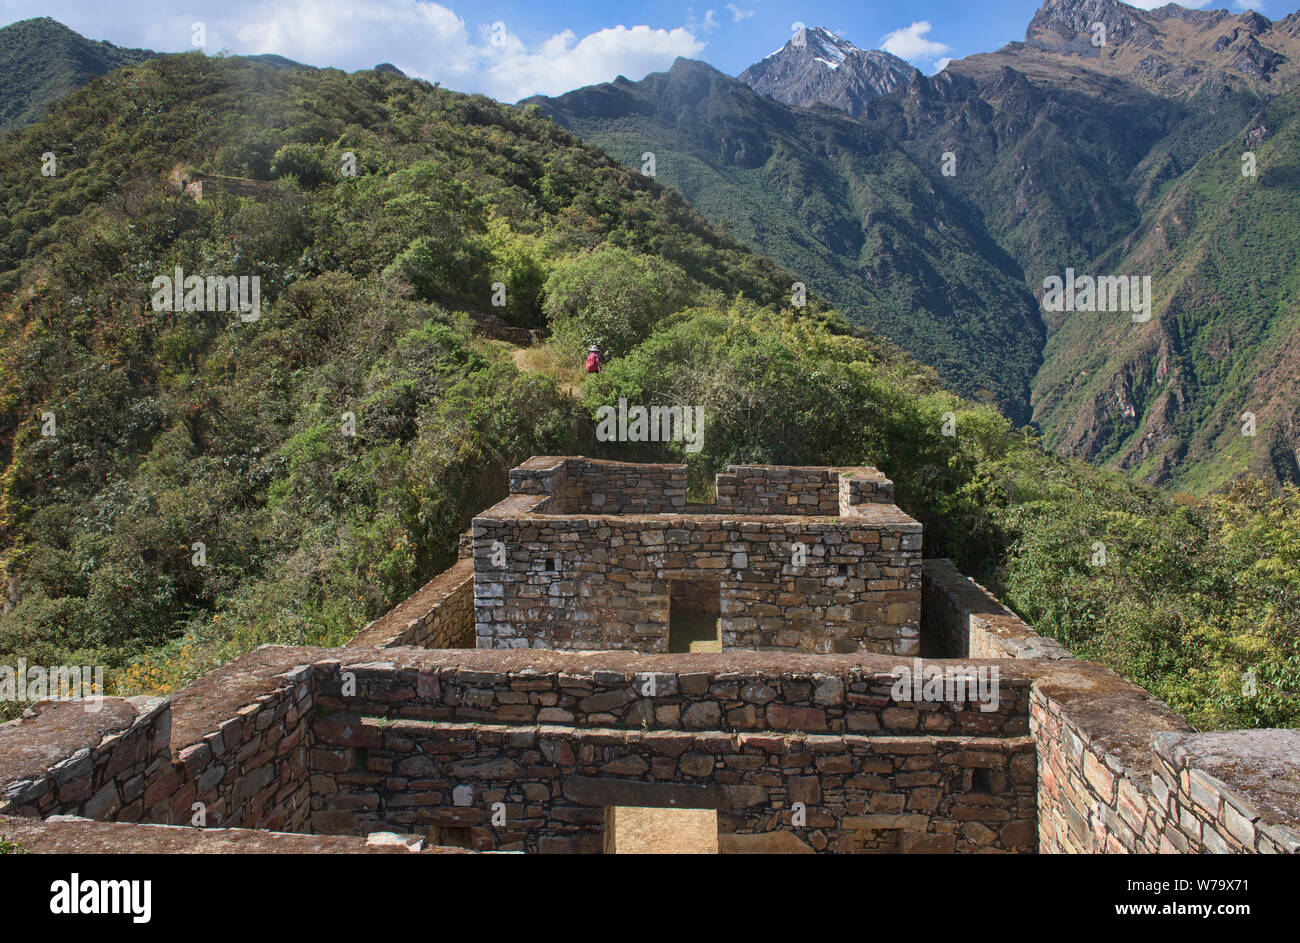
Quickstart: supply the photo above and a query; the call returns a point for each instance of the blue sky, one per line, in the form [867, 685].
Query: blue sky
[513, 48]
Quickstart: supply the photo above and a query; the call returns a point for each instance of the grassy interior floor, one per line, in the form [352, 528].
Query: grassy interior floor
[689, 632]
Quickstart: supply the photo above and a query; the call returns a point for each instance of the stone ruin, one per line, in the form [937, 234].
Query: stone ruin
[587, 555]
[849, 696]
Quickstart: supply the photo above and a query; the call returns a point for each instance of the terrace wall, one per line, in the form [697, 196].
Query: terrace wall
[439, 740]
[548, 789]
[439, 615]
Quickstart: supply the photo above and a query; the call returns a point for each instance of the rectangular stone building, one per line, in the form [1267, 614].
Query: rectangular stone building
[587, 554]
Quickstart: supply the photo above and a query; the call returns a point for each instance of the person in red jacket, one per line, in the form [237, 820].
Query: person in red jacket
[593, 359]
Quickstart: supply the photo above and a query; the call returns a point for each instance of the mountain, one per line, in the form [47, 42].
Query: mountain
[1166, 400]
[816, 66]
[1054, 153]
[1171, 49]
[42, 60]
[841, 205]
[1121, 159]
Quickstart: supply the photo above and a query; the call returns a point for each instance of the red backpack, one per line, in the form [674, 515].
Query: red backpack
[593, 362]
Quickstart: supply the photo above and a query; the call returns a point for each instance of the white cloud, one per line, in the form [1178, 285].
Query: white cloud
[424, 39]
[564, 62]
[910, 43]
[737, 14]
[941, 64]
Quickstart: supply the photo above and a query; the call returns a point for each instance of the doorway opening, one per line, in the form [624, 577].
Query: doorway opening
[639, 830]
[694, 616]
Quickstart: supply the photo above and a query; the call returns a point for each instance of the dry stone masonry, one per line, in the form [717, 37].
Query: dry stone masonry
[802, 735]
[588, 555]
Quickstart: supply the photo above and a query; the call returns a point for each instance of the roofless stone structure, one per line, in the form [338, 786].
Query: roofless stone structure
[781, 663]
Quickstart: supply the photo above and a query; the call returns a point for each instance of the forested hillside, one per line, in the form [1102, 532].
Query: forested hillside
[172, 428]
[959, 193]
[42, 61]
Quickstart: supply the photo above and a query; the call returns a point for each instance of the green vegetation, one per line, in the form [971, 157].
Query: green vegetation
[846, 210]
[613, 298]
[1223, 250]
[42, 61]
[1053, 166]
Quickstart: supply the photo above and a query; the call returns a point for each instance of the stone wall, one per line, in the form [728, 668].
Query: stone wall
[581, 486]
[234, 742]
[430, 741]
[602, 582]
[864, 486]
[79, 836]
[767, 489]
[1236, 791]
[355, 740]
[741, 691]
[439, 615]
[547, 789]
[68, 758]
[962, 619]
[1118, 770]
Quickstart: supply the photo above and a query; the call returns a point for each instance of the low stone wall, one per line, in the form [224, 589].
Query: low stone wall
[962, 619]
[1118, 770]
[579, 485]
[409, 739]
[864, 486]
[548, 789]
[433, 740]
[1237, 791]
[1094, 732]
[439, 615]
[741, 691]
[234, 743]
[77, 836]
[768, 489]
[69, 758]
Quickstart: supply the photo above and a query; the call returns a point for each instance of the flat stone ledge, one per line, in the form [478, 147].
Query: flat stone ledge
[385, 630]
[1257, 772]
[55, 730]
[66, 835]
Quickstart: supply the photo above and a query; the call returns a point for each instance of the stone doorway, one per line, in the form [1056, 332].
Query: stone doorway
[694, 616]
[639, 830]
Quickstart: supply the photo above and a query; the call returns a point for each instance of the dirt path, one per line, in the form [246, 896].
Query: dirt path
[526, 360]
